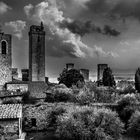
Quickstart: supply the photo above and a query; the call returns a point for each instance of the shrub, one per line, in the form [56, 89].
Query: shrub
[87, 123]
[134, 125]
[126, 107]
[85, 96]
[60, 93]
[103, 95]
[128, 89]
[53, 115]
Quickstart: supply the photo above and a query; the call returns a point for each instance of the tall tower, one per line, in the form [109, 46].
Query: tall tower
[37, 53]
[5, 59]
[85, 73]
[101, 68]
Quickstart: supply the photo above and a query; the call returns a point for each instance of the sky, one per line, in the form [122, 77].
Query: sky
[83, 32]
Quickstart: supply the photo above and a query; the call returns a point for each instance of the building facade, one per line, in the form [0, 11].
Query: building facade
[37, 53]
[5, 59]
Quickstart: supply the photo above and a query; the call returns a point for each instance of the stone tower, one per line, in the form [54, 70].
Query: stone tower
[101, 68]
[37, 53]
[85, 73]
[5, 59]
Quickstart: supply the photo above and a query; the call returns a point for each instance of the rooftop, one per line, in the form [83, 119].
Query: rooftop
[9, 111]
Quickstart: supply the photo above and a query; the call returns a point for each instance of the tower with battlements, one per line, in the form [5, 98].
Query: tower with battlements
[37, 53]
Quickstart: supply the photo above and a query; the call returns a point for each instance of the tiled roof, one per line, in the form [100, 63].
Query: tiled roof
[9, 111]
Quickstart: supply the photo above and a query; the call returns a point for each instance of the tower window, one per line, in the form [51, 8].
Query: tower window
[33, 121]
[3, 47]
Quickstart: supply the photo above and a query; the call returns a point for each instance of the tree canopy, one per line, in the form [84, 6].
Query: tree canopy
[70, 77]
[108, 78]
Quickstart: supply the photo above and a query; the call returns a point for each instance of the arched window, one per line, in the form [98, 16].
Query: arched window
[3, 47]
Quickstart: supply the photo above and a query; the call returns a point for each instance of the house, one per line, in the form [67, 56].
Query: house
[11, 121]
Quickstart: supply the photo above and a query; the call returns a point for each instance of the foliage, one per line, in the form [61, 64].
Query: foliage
[126, 107]
[90, 93]
[126, 90]
[60, 93]
[125, 87]
[53, 115]
[70, 77]
[104, 95]
[137, 80]
[134, 125]
[87, 123]
[85, 96]
[108, 78]
[27, 99]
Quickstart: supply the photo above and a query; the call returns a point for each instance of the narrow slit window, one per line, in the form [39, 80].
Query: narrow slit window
[33, 121]
[3, 47]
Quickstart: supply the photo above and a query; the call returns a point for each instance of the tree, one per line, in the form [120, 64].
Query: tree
[108, 78]
[70, 77]
[137, 80]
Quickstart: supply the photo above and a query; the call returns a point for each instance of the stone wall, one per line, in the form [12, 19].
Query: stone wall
[10, 128]
[37, 89]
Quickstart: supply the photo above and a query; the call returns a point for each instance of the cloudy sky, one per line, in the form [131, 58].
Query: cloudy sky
[84, 32]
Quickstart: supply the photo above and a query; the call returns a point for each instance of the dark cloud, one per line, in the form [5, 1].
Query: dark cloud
[117, 8]
[82, 28]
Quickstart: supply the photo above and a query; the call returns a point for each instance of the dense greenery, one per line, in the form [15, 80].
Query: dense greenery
[126, 107]
[77, 122]
[82, 123]
[108, 78]
[134, 125]
[70, 77]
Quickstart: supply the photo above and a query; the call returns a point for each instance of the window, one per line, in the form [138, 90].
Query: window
[33, 121]
[3, 47]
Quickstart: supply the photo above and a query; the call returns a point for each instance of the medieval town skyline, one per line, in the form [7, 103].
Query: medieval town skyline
[76, 33]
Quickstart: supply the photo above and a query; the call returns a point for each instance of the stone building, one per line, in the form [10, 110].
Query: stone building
[101, 68]
[85, 73]
[5, 58]
[37, 53]
[11, 121]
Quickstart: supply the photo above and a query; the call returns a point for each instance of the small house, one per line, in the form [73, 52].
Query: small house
[11, 121]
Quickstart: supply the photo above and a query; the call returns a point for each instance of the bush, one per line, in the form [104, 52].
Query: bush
[134, 125]
[104, 95]
[128, 89]
[87, 123]
[60, 93]
[85, 96]
[53, 114]
[126, 107]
